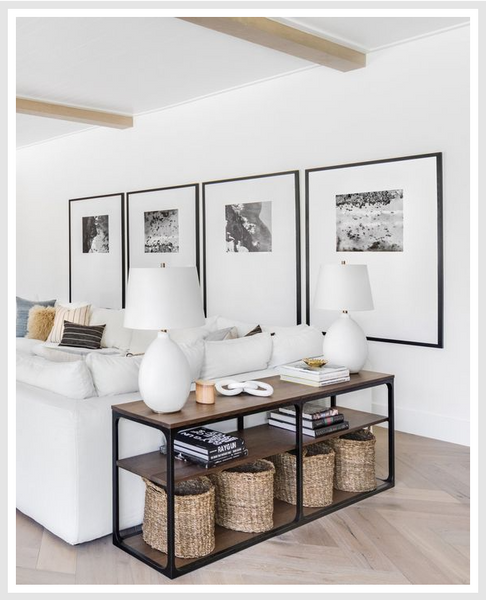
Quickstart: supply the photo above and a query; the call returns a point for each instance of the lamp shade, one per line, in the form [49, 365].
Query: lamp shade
[163, 298]
[343, 287]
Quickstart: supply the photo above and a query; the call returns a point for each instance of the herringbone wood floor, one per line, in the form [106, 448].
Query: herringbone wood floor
[416, 533]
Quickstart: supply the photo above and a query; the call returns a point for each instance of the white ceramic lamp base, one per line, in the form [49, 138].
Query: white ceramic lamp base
[164, 378]
[345, 344]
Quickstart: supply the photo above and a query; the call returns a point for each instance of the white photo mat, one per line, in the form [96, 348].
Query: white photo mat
[181, 205]
[261, 285]
[96, 262]
[406, 283]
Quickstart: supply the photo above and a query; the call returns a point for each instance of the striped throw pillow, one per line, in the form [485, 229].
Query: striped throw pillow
[79, 315]
[82, 336]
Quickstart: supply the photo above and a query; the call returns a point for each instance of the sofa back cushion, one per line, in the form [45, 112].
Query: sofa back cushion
[241, 355]
[69, 379]
[294, 343]
[114, 374]
[119, 374]
[242, 327]
[115, 334]
[141, 339]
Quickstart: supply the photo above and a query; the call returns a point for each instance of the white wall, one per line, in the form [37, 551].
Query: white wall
[411, 99]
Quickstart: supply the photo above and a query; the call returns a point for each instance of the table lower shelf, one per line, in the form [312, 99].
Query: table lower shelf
[261, 441]
[227, 539]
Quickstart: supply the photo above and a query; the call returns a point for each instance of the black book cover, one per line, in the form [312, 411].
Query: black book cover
[209, 441]
[208, 463]
[309, 423]
[312, 410]
[331, 428]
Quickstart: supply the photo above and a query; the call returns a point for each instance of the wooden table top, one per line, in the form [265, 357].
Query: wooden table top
[233, 406]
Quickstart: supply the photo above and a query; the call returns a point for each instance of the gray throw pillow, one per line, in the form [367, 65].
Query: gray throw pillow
[23, 307]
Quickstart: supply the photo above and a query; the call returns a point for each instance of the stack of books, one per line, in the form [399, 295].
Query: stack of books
[300, 372]
[316, 419]
[208, 447]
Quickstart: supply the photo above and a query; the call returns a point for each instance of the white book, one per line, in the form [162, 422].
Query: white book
[324, 373]
[313, 383]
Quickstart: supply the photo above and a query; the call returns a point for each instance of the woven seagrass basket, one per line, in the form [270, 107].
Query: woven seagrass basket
[318, 477]
[355, 461]
[244, 497]
[194, 517]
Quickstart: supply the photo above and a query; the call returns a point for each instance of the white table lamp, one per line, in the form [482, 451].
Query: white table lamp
[344, 287]
[164, 298]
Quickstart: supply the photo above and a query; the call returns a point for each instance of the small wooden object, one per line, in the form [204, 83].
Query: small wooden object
[204, 392]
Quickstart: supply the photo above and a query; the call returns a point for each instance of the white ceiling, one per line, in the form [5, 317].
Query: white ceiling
[138, 65]
[369, 34]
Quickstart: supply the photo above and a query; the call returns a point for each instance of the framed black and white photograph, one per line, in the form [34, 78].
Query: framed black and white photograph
[386, 214]
[96, 250]
[252, 248]
[163, 227]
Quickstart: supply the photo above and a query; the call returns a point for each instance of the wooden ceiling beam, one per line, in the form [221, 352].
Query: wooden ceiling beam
[283, 38]
[70, 113]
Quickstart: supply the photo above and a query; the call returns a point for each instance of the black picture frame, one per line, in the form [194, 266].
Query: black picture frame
[71, 204]
[195, 187]
[439, 266]
[295, 176]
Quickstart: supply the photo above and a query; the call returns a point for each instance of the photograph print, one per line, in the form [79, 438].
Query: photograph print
[370, 221]
[96, 250]
[249, 227]
[251, 248]
[161, 231]
[387, 215]
[163, 227]
[96, 236]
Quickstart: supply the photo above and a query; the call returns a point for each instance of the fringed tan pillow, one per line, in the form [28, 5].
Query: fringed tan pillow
[40, 322]
[80, 316]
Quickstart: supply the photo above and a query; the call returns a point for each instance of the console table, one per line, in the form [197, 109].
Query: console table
[261, 441]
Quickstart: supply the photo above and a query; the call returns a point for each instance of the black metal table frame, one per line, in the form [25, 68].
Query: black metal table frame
[171, 570]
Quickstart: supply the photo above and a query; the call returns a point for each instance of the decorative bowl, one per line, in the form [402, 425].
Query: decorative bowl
[314, 362]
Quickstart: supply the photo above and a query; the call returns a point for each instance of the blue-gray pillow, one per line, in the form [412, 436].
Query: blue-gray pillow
[23, 307]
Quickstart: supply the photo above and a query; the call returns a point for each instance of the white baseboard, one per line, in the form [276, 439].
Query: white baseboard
[426, 424]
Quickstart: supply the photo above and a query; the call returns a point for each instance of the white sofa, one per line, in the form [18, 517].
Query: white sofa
[64, 444]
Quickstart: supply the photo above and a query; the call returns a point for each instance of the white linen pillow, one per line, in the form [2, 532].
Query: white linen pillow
[188, 336]
[236, 356]
[243, 328]
[300, 343]
[228, 333]
[115, 335]
[71, 305]
[79, 315]
[70, 379]
[114, 374]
